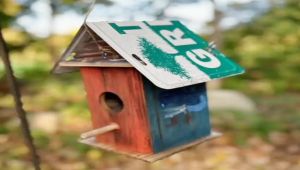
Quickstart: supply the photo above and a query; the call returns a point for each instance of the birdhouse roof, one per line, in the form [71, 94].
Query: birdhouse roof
[166, 52]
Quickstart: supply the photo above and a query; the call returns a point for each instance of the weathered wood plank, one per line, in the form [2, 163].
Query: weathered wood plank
[94, 64]
[149, 157]
[177, 116]
[134, 132]
[93, 82]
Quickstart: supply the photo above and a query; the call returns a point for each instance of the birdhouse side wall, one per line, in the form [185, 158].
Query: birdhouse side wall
[177, 116]
[127, 84]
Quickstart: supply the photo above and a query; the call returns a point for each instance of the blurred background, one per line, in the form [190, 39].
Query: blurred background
[258, 112]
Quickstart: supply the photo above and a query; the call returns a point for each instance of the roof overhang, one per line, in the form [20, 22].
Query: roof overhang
[166, 52]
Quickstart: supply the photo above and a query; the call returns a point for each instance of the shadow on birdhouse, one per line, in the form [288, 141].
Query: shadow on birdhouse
[145, 84]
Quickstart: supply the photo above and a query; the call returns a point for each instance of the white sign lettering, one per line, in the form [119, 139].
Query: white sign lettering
[202, 54]
[176, 37]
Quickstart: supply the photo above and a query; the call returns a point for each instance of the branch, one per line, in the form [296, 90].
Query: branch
[4, 53]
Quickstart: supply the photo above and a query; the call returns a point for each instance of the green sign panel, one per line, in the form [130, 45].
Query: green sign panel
[166, 52]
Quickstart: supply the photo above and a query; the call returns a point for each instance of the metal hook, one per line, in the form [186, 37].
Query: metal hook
[212, 45]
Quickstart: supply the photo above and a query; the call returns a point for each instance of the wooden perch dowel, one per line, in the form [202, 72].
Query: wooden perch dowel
[99, 131]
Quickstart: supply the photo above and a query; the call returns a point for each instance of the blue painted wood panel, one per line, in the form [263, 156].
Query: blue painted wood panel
[177, 116]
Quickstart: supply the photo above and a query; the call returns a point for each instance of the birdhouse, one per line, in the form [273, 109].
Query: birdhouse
[145, 85]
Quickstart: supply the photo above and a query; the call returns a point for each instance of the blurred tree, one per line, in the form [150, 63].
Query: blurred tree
[217, 30]
[9, 9]
[12, 10]
[269, 49]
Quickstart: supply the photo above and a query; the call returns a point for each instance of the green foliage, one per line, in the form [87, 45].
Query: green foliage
[8, 11]
[71, 140]
[4, 130]
[269, 50]
[35, 72]
[243, 125]
[42, 139]
[276, 114]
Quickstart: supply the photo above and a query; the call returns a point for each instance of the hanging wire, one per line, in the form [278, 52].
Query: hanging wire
[15, 91]
[92, 6]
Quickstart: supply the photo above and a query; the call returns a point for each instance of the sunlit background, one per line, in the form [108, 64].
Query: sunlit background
[258, 112]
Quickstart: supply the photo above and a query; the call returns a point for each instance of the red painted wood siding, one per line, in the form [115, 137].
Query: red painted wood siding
[134, 134]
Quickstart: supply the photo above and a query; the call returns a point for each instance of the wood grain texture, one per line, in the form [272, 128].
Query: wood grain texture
[94, 64]
[127, 83]
[177, 116]
[152, 157]
[100, 131]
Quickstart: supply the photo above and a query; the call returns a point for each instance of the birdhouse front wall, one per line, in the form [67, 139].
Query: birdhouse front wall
[127, 84]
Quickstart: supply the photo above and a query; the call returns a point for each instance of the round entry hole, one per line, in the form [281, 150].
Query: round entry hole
[111, 102]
